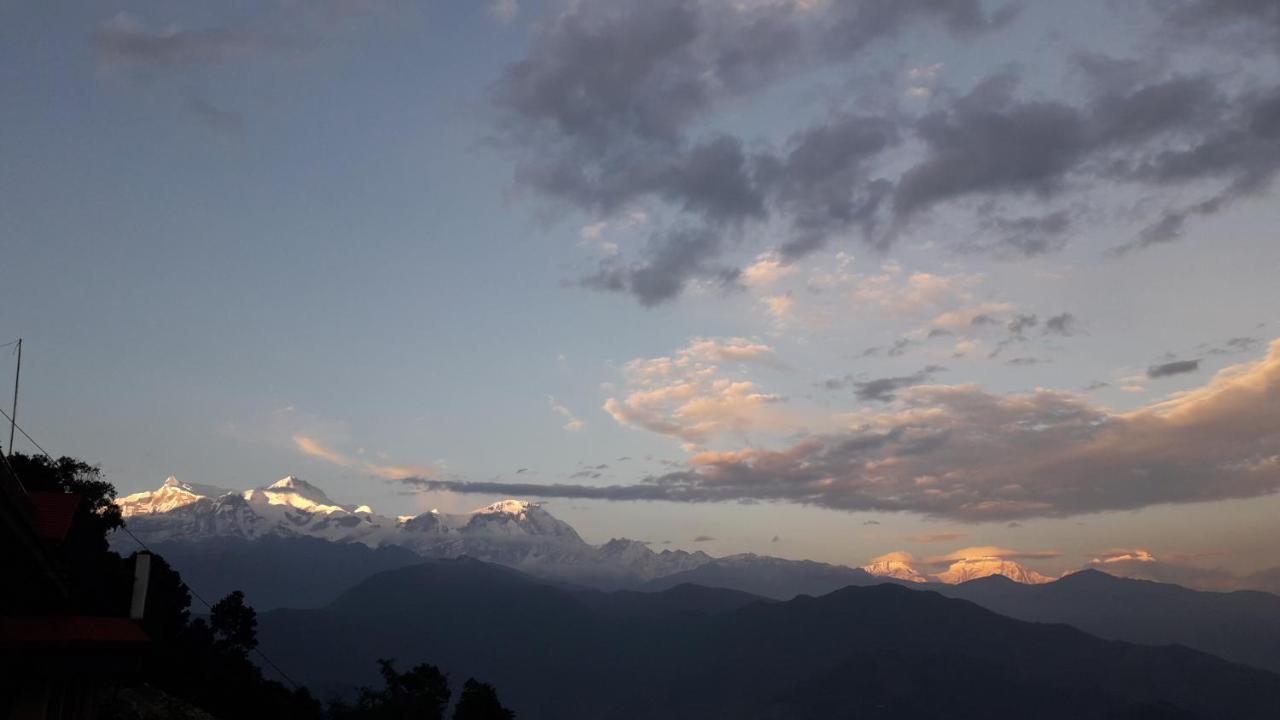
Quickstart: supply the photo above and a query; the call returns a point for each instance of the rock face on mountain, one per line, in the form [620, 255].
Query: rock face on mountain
[514, 533]
[883, 651]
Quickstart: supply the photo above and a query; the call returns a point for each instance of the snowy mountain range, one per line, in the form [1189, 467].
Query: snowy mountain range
[515, 533]
[898, 566]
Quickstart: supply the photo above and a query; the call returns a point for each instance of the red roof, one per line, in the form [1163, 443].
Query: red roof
[51, 514]
[70, 631]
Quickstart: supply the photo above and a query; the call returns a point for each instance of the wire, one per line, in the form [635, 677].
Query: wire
[143, 545]
[204, 602]
[25, 435]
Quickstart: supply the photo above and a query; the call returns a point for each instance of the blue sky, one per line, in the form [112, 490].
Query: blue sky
[343, 240]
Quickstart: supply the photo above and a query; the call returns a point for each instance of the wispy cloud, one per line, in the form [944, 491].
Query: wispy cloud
[572, 423]
[312, 447]
[962, 453]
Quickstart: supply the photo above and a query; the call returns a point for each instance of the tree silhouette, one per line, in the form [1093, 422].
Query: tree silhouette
[479, 701]
[419, 693]
[234, 623]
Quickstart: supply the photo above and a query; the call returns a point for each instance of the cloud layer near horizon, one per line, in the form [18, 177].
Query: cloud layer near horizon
[961, 453]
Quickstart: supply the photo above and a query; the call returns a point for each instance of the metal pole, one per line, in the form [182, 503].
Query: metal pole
[13, 416]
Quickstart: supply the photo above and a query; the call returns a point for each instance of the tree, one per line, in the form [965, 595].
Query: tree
[420, 693]
[479, 701]
[39, 473]
[205, 664]
[234, 623]
[99, 582]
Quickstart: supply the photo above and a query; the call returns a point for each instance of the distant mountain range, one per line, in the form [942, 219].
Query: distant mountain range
[289, 545]
[690, 652]
[515, 533]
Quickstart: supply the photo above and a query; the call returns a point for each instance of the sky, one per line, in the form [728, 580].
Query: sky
[805, 278]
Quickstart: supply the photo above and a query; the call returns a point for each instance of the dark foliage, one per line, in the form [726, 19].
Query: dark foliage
[419, 693]
[881, 651]
[205, 664]
[479, 701]
[234, 624]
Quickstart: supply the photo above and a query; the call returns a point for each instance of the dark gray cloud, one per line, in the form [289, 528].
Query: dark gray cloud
[1023, 361]
[227, 122]
[1064, 324]
[1257, 19]
[968, 455]
[703, 538]
[884, 389]
[1237, 345]
[127, 41]
[1177, 367]
[1016, 238]
[671, 261]
[599, 112]
[1017, 327]
[609, 107]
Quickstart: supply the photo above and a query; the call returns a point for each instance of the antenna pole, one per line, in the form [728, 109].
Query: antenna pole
[13, 416]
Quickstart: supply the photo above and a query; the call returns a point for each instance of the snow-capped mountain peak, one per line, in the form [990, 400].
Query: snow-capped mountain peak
[979, 567]
[896, 566]
[511, 532]
[506, 507]
[295, 493]
[171, 495]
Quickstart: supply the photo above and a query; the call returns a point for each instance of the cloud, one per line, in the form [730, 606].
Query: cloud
[1018, 238]
[960, 453]
[504, 10]
[734, 349]
[1177, 367]
[124, 40]
[935, 537]
[1237, 345]
[896, 556]
[312, 447]
[703, 538]
[1064, 325]
[617, 103]
[988, 551]
[672, 260]
[765, 271]
[690, 398]
[572, 423]
[900, 295]
[884, 389]
[781, 308]
[600, 114]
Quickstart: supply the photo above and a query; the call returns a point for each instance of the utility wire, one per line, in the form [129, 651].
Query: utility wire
[204, 602]
[25, 435]
[143, 545]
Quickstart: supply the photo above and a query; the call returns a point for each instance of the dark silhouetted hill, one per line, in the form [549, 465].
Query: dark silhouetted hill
[881, 651]
[768, 576]
[1243, 626]
[277, 572]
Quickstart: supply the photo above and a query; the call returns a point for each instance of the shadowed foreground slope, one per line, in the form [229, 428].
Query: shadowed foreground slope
[882, 651]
